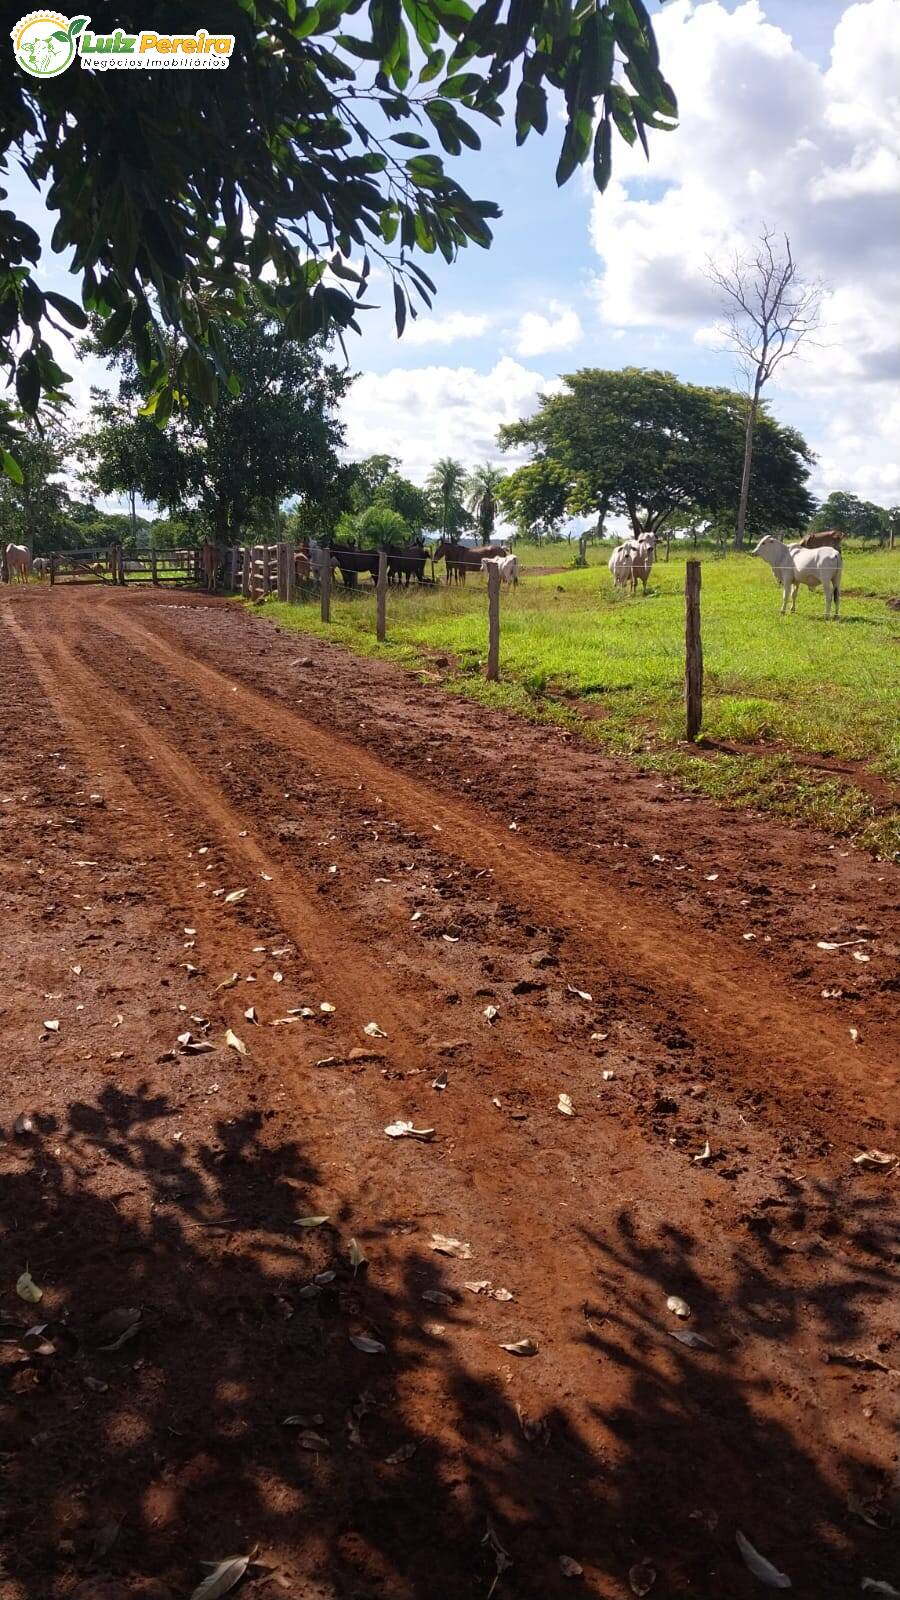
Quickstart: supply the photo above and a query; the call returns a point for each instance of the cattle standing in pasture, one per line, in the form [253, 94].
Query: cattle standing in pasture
[302, 567]
[811, 567]
[829, 540]
[212, 564]
[405, 562]
[40, 566]
[632, 561]
[351, 562]
[463, 558]
[507, 566]
[18, 562]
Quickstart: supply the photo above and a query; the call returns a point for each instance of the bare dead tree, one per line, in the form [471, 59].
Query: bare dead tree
[770, 309]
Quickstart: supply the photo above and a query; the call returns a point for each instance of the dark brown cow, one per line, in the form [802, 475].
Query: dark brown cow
[463, 558]
[829, 540]
[212, 564]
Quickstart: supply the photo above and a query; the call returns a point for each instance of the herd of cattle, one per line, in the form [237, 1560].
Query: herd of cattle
[404, 562]
[814, 560]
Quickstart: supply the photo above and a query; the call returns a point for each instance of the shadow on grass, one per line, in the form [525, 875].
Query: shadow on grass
[172, 1449]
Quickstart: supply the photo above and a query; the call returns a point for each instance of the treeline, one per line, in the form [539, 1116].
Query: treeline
[268, 462]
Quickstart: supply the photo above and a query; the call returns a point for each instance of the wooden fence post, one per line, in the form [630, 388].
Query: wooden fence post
[246, 559]
[290, 577]
[154, 575]
[381, 598]
[693, 651]
[493, 657]
[52, 566]
[282, 571]
[265, 569]
[326, 585]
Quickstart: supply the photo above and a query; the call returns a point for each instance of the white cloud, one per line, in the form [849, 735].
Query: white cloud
[768, 135]
[421, 413]
[536, 334]
[446, 330]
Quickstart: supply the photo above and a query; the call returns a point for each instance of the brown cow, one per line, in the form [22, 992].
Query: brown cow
[463, 558]
[830, 539]
[212, 564]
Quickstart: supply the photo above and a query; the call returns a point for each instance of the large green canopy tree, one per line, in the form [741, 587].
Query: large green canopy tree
[315, 151]
[278, 437]
[648, 447]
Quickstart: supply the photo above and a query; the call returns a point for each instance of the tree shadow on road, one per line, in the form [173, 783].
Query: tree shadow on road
[409, 1475]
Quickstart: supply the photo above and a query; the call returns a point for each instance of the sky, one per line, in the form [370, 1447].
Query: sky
[789, 117]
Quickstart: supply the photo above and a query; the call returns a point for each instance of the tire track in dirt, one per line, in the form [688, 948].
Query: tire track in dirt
[724, 997]
[604, 1359]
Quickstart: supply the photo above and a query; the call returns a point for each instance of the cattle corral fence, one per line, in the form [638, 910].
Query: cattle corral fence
[113, 565]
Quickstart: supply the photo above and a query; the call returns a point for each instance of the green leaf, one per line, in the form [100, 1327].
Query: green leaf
[77, 26]
[114, 328]
[411, 141]
[28, 382]
[399, 309]
[11, 467]
[603, 153]
[32, 303]
[74, 314]
[433, 66]
[461, 84]
[364, 48]
[424, 25]
[390, 222]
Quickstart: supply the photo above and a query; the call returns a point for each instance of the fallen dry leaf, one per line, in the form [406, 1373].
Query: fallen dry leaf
[491, 1013]
[760, 1567]
[451, 1247]
[23, 1124]
[227, 983]
[522, 1347]
[309, 1222]
[373, 1031]
[405, 1453]
[356, 1255]
[581, 994]
[437, 1297]
[694, 1341]
[234, 1043]
[231, 900]
[327, 1008]
[679, 1307]
[52, 1026]
[405, 1130]
[369, 1347]
[27, 1289]
[565, 1105]
[841, 944]
[222, 1579]
[705, 1153]
[250, 1014]
[308, 1440]
[861, 955]
[570, 1568]
[641, 1578]
[440, 1082]
[876, 1160]
[878, 1586]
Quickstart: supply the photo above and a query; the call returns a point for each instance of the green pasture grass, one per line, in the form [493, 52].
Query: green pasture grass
[780, 692]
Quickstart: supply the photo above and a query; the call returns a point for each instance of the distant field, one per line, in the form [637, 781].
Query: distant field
[809, 713]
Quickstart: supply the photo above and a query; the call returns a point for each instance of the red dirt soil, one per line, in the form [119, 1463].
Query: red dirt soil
[523, 918]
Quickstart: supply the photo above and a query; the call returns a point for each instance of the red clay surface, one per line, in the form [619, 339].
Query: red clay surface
[162, 751]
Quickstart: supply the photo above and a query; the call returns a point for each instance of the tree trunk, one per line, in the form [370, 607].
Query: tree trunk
[745, 475]
[133, 497]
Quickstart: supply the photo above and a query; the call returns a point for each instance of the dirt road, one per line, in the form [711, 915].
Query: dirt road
[207, 825]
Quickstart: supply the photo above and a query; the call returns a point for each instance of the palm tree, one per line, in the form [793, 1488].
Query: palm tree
[481, 497]
[446, 481]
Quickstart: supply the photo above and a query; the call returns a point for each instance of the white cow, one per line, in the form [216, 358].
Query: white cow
[620, 563]
[40, 566]
[643, 556]
[18, 561]
[793, 565]
[507, 566]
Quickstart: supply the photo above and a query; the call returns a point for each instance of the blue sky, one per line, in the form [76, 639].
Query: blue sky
[789, 115]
